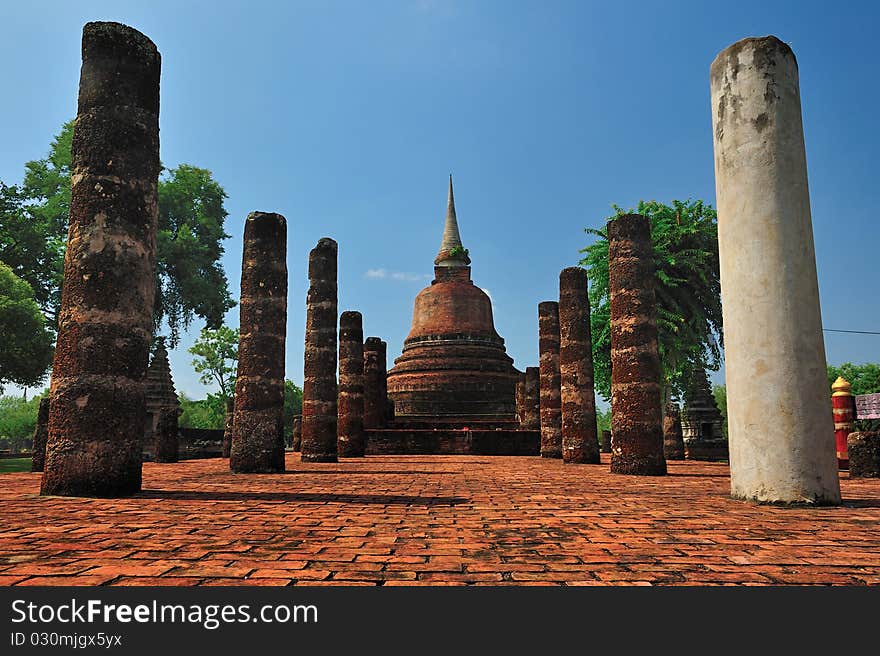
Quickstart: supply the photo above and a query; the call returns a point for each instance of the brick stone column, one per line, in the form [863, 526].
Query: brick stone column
[228, 421]
[374, 377]
[166, 447]
[351, 386]
[636, 413]
[97, 411]
[551, 403]
[673, 439]
[41, 432]
[520, 395]
[531, 419]
[319, 385]
[843, 408]
[387, 403]
[296, 441]
[606, 441]
[258, 426]
[580, 441]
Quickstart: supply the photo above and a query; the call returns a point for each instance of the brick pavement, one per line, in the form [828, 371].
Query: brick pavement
[433, 520]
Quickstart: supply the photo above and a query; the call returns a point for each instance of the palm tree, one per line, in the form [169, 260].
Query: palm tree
[684, 236]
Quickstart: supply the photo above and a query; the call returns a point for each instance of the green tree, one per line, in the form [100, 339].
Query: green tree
[864, 378]
[209, 412]
[720, 394]
[603, 420]
[29, 249]
[190, 280]
[216, 352]
[684, 237]
[25, 342]
[18, 418]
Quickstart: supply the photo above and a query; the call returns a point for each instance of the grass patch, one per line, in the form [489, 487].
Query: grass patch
[9, 465]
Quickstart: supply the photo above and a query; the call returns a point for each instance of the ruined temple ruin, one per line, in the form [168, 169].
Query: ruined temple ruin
[701, 421]
[159, 394]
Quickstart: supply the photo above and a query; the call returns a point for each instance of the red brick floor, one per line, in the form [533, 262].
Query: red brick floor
[435, 520]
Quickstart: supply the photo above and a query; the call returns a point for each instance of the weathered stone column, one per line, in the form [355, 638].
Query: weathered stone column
[319, 384]
[296, 441]
[228, 421]
[551, 403]
[673, 439]
[97, 412]
[580, 441]
[387, 403]
[41, 432]
[779, 419]
[606, 441]
[374, 375]
[531, 419]
[166, 447]
[258, 426]
[636, 412]
[520, 396]
[351, 386]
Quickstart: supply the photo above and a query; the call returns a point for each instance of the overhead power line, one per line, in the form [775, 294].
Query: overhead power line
[857, 332]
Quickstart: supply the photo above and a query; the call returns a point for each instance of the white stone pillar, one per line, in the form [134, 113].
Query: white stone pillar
[779, 419]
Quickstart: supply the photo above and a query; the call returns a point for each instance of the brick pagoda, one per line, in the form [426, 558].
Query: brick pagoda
[454, 370]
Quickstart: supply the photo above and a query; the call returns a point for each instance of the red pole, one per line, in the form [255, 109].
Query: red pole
[843, 408]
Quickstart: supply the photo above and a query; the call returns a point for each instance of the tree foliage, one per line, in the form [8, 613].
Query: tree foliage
[216, 352]
[25, 342]
[209, 412]
[18, 418]
[190, 280]
[720, 394]
[864, 378]
[684, 237]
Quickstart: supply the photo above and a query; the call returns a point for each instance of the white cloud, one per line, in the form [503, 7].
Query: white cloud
[385, 274]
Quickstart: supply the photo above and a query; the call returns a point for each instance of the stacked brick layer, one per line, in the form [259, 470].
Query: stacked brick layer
[434, 520]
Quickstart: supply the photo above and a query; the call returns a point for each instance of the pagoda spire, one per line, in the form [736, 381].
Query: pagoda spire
[452, 253]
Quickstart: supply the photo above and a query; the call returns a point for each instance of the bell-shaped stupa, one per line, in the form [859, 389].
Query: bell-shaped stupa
[454, 370]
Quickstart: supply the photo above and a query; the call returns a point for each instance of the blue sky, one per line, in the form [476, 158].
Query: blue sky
[347, 117]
